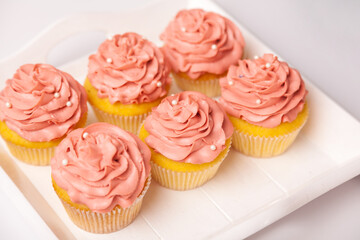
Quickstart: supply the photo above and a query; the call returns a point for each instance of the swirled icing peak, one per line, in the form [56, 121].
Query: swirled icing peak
[129, 69]
[42, 103]
[101, 166]
[264, 91]
[188, 127]
[198, 42]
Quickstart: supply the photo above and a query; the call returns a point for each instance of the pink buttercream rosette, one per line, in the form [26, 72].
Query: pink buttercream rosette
[200, 47]
[188, 128]
[264, 92]
[40, 104]
[128, 69]
[198, 42]
[106, 169]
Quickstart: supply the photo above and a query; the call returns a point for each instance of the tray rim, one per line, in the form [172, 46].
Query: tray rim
[11, 58]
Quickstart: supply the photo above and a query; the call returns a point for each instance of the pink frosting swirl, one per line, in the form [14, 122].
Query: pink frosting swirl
[42, 103]
[185, 126]
[129, 69]
[264, 91]
[101, 166]
[198, 42]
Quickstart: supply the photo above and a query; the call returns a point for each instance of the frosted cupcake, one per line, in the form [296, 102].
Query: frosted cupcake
[189, 135]
[101, 174]
[127, 77]
[200, 47]
[265, 100]
[38, 107]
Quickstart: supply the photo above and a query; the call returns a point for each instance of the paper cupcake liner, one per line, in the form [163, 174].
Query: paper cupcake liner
[256, 146]
[184, 180]
[108, 222]
[129, 123]
[33, 156]
[209, 87]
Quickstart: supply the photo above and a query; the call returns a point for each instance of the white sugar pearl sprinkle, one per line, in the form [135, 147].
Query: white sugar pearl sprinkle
[213, 147]
[256, 57]
[174, 102]
[85, 134]
[183, 29]
[110, 37]
[267, 65]
[109, 60]
[68, 103]
[258, 101]
[231, 83]
[56, 95]
[159, 84]
[8, 105]
[213, 46]
[65, 162]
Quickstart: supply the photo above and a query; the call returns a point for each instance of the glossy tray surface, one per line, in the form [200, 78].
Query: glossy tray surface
[245, 196]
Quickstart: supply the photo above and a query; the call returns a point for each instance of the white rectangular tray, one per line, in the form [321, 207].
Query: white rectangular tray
[18, 212]
[245, 196]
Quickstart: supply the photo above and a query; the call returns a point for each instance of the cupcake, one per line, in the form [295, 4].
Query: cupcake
[101, 174]
[38, 107]
[189, 135]
[265, 100]
[127, 77]
[200, 47]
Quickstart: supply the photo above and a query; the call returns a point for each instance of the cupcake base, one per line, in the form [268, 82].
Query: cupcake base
[108, 222]
[126, 116]
[209, 86]
[256, 146]
[182, 176]
[257, 141]
[129, 123]
[33, 156]
[34, 153]
[182, 181]
[102, 222]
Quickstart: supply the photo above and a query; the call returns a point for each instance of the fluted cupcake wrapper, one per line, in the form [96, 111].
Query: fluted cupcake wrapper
[209, 87]
[181, 181]
[257, 146]
[33, 156]
[39, 156]
[108, 222]
[129, 123]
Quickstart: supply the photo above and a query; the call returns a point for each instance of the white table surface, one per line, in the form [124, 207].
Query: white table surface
[320, 38]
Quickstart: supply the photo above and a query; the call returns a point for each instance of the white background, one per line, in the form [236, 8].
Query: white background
[319, 38]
